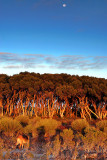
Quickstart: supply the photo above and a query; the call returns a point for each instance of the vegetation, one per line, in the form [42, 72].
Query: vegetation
[54, 138]
[94, 139]
[9, 126]
[49, 126]
[23, 120]
[102, 125]
[53, 95]
[64, 116]
[79, 124]
[67, 136]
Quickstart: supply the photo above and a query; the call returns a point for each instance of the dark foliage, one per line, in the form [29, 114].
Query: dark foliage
[25, 87]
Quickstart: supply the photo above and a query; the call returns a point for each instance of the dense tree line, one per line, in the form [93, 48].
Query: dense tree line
[50, 95]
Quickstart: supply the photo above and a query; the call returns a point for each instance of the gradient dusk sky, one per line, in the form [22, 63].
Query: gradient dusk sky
[54, 36]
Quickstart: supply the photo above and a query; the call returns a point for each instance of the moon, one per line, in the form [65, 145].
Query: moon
[64, 5]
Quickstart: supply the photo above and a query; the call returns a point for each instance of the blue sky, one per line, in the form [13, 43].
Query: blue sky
[42, 36]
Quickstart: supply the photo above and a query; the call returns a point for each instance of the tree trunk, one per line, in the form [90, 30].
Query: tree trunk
[1, 108]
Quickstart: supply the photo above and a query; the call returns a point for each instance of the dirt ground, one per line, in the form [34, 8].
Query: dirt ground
[38, 151]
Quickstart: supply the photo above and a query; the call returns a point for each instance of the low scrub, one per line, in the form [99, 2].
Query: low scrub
[67, 136]
[24, 120]
[30, 130]
[105, 130]
[1, 144]
[94, 138]
[53, 148]
[101, 124]
[79, 124]
[8, 126]
[34, 120]
[50, 126]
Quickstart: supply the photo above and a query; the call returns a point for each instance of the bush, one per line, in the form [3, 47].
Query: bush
[53, 148]
[90, 129]
[94, 138]
[1, 144]
[31, 127]
[24, 120]
[101, 124]
[78, 137]
[50, 125]
[67, 136]
[79, 124]
[34, 120]
[30, 130]
[105, 130]
[10, 126]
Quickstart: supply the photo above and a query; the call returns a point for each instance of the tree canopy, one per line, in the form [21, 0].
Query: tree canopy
[64, 88]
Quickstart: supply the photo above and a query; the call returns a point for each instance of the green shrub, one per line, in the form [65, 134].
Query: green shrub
[10, 126]
[79, 124]
[94, 138]
[30, 130]
[101, 124]
[1, 144]
[34, 120]
[67, 136]
[24, 120]
[90, 129]
[53, 148]
[78, 137]
[50, 125]
[31, 127]
[105, 130]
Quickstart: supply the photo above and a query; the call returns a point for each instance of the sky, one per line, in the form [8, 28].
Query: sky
[54, 36]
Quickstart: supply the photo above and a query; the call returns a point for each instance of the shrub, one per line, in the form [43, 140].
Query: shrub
[67, 136]
[50, 125]
[90, 129]
[105, 130]
[101, 124]
[94, 138]
[79, 124]
[1, 144]
[34, 120]
[24, 120]
[30, 129]
[78, 137]
[10, 126]
[53, 148]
